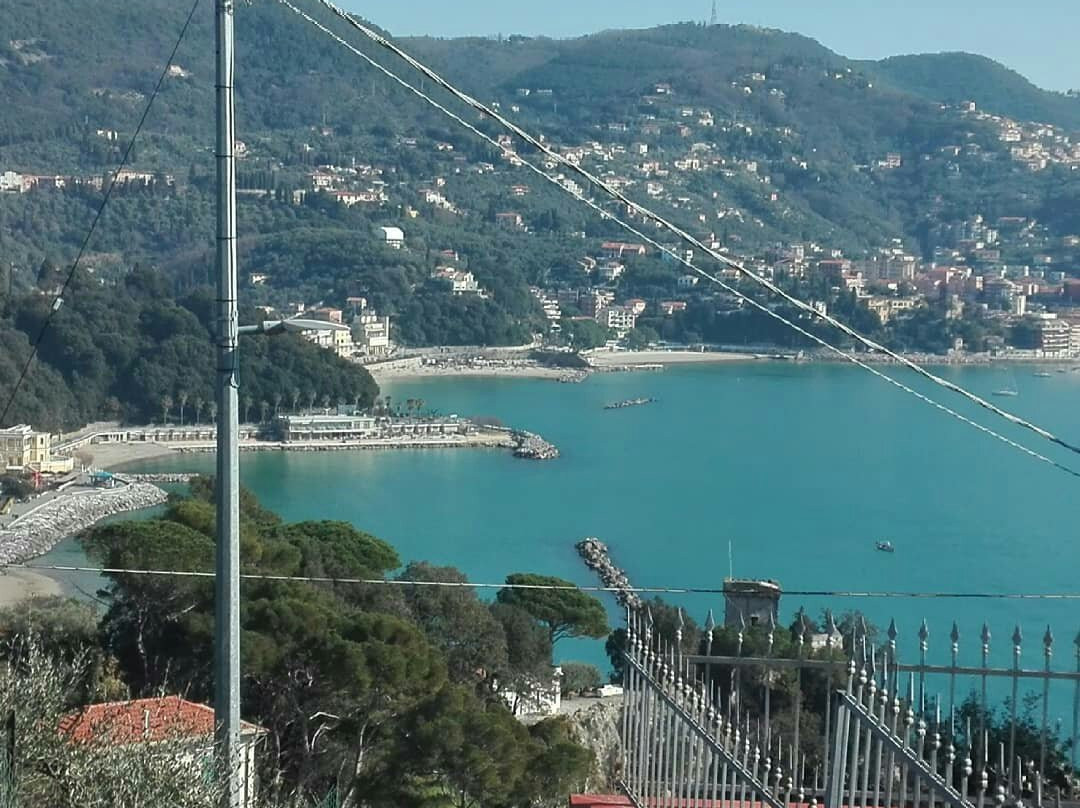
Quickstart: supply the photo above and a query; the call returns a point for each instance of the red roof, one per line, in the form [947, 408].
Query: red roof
[149, 720]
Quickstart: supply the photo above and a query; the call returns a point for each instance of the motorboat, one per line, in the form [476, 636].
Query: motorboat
[885, 546]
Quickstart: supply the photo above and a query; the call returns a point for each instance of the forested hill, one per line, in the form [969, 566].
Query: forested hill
[956, 77]
[752, 137]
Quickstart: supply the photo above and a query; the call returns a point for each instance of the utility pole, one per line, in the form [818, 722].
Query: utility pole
[227, 569]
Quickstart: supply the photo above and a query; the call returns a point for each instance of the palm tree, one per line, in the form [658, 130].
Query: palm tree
[213, 412]
[311, 399]
[295, 399]
[277, 402]
[326, 401]
[264, 407]
[166, 405]
[419, 405]
[182, 398]
[386, 403]
[199, 404]
[248, 401]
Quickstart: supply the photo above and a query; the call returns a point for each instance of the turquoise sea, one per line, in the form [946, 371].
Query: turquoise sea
[801, 468]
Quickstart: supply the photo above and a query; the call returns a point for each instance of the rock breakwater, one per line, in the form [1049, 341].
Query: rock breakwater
[596, 556]
[533, 447]
[41, 529]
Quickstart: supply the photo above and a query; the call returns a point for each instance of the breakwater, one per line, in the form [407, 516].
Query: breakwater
[181, 478]
[39, 530]
[597, 557]
[532, 447]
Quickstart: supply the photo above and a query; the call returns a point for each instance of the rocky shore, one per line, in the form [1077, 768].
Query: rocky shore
[533, 447]
[180, 478]
[596, 556]
[41, 529]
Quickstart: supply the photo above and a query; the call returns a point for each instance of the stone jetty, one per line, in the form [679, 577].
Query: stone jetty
[39, 530]
[173, 477]
[596, 556]
[532, 447]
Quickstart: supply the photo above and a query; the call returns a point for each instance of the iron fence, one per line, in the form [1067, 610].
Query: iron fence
[840, 719]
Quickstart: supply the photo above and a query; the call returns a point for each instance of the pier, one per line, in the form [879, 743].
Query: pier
[597, 557]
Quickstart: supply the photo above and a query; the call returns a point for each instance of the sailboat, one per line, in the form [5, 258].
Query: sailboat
[1010, 389]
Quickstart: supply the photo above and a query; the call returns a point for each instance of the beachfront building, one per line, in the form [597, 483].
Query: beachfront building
[340, 342]
[24, 449]
[21, 446]
[372, 335]
[326, 427]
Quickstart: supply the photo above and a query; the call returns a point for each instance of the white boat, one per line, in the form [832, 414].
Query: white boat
[885, 546]
[1005, 392]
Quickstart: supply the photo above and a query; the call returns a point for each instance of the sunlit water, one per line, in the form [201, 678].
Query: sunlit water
[800, 468]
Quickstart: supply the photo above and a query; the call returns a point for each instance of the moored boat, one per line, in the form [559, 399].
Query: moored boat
[885, 546]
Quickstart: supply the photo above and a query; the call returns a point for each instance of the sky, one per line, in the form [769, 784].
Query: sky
[1036, 37]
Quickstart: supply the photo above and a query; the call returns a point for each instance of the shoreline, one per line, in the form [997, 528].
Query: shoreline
[121, 455]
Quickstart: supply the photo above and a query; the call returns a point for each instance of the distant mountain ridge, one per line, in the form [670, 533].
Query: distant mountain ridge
[956, 77]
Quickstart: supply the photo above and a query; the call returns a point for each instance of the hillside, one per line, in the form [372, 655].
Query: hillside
[753, 138]
[956, 77]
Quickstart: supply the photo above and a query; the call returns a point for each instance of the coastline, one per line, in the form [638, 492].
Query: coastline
[630, 359]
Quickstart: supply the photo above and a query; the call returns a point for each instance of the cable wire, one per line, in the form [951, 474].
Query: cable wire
[618, 195]
[641, 590]
[682, 259]
[58, 299]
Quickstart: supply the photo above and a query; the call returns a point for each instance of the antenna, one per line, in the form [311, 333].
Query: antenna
[730, 562]
[713, 19]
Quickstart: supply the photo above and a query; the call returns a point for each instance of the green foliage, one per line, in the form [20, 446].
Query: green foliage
[579, 677]
[373, 694]
[585, 334]
[958, 77]
[566, 612]
[121, 351]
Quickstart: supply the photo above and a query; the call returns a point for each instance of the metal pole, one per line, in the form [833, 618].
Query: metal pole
[227, 578]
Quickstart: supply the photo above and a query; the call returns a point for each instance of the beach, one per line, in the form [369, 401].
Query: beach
[113, 455]
[602, 359]
[17, 585]
[415, 370]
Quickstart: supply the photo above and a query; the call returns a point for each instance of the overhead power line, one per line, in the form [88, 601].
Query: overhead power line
[58, 299]
[680, 258]
[638, 590]
[618, 195]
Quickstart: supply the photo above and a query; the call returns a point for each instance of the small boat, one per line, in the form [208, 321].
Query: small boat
[1006, 392]
[1043, 374]
[885, 546]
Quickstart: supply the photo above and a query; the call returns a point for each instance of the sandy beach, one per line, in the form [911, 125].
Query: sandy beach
[428, 371]
[112, 455]
[631, 358]
[17, 585]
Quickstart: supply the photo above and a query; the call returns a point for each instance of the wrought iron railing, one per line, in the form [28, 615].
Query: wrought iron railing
[703, 728]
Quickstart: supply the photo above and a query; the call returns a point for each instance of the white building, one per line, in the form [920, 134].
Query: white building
[619, 318]
[461, 282]
[373, 337]
[394, 237]
[12, 181]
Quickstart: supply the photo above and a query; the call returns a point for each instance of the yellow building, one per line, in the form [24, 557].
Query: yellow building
[23, 448]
